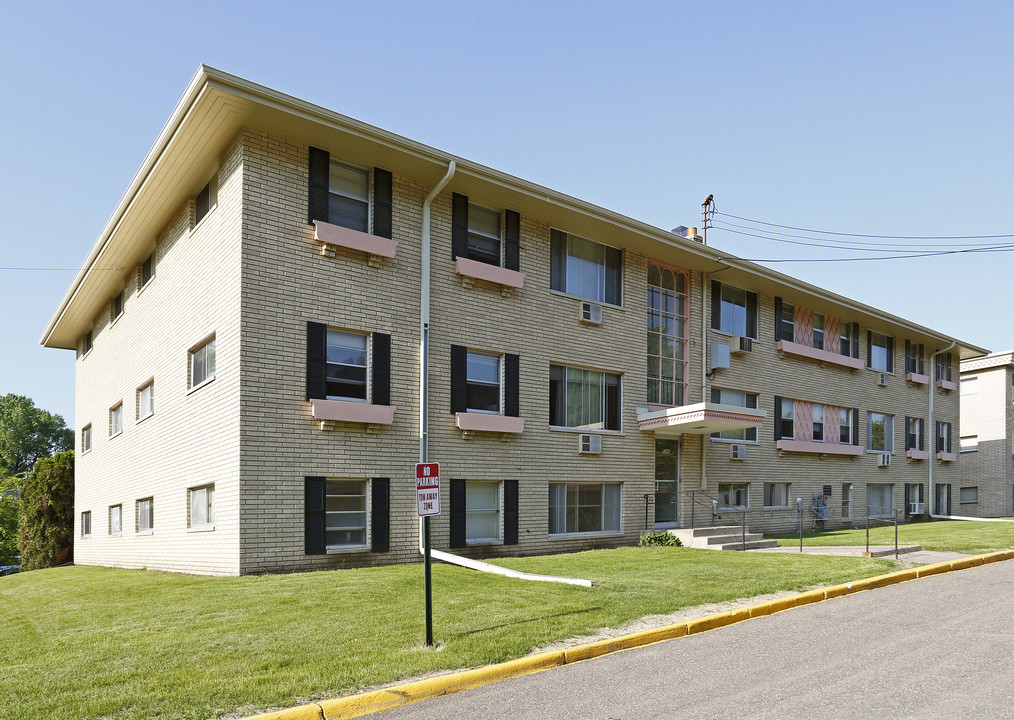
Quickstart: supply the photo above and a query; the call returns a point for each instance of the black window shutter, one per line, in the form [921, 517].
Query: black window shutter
[890, 354]
[948, 490]
[458, 514]
[922, 352]
[869, 348]
[381, 369]
[716, 305]
[908, 498]
[511, 385]
[383, 202]
[855, 426]
[510, 512]
[778, 417]
[908, 429]
[922, 433]
[908, 354]
[459, 226]
[380, 514]
[778, 319]
[316, 361]
[512, 240]
[459, 378]
[313, 506]
[948, 437]
[751, 314]
[948, 366]
[920, 494]
[320, 181]
[855, 340]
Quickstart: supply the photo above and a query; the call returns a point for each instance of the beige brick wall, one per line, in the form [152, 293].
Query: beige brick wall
[986, 412]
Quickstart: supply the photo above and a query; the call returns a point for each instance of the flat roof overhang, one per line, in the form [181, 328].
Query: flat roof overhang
[698, 419]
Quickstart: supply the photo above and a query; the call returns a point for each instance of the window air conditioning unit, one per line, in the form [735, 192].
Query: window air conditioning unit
[884, 460]
[739, 451]
[590, 445]
[883, 379]
[916, 508]
[591, 313]
[741, 345]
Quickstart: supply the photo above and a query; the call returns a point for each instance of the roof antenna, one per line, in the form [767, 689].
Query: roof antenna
[708, 215]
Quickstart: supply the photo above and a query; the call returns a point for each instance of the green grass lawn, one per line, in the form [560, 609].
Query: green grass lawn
[85, 642]
[963, 536]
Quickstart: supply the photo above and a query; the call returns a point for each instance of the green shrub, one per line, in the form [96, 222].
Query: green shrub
[46, 520]
[8, 519]
[659, 538]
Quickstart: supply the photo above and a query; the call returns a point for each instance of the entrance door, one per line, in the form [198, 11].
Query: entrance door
[667, 483]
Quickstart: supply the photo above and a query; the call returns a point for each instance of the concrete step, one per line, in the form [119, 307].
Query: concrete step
[750, 545]
[732, 538]
[710, 530]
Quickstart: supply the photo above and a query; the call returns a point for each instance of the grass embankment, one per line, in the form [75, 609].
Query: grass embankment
[963, 536]
[84, 642]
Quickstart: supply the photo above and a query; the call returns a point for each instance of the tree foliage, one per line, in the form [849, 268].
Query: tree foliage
[8, 519]
[28, 433]
[46, 519]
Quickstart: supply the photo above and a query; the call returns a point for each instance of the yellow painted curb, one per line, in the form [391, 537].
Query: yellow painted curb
[353, 706]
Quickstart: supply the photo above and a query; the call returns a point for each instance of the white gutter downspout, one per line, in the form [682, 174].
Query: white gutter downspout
[932, 427]
[704, 375]
[424, 389]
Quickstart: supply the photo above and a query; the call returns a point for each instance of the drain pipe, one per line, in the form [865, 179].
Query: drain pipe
[704, 374]
[932, 427]
[424, 389]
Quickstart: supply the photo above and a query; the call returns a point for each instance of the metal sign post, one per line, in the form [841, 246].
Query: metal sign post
[427, 481]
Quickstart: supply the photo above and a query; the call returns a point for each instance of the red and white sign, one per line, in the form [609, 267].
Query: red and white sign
[427, 483]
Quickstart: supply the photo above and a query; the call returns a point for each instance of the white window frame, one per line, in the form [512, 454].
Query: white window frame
[198, 358]
[734, 312]
[846, 501]
[573, 281]
[972, 495]
[818, 331]
[845, 422]
[366, 199]
[481, 383]
[201, 502]
[86, 438]
[772, 493]
[331, 484]
[86, 523]
[610, 501]
[818, 421]
[475, 211]
[872, 417]
[337, 334]
[739, 398]
[212, 189]
[116, 419]
[473, 512]
[788, 415]
[599, 425]
[116, 519]
[885, 344]
[145, 515]
[146, 400]
[729, 493]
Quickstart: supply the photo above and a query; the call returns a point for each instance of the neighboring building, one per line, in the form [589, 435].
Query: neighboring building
[987, 436]
[249, 326]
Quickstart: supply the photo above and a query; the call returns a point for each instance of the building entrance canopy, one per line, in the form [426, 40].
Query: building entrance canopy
[698, 419]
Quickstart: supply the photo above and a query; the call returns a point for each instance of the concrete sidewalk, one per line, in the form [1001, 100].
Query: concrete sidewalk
[908, 553]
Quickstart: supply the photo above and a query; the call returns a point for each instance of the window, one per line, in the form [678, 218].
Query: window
[880, 431]
[346, 365]
[943, 366]
[818, 423]
[881, 352]
[483, 235]
[202, 506]
[735, 496]
[776, 494]
[914, 433]
[943, 437]
[585, 399]
[86, 523]
[845, 427]
[733, 311]
[968, 495]
[88, 342]
[349, 197]
[667, 329]
[146, 400]
[206, 199]
[584, 508]
[880, 500]
[346, 516]
[117, 305]
[86, 438]
[482, 511]
[846, 500]
[586, 269]
[483, 383]
[116, 420]
[145, 516]
[739, 399]
[913, 358]
[818, 331]
[148, 269]
[846, 345]
[115, 519]
[969, 443]
[202, 363]
[786, 420]
[787, 323]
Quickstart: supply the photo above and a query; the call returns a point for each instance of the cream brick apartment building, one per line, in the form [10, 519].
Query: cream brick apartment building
[987, 436]
[250, 325]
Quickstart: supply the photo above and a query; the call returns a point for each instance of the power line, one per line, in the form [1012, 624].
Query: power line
[832, 243]
[861, 235]
[915, 252]
[41, 269]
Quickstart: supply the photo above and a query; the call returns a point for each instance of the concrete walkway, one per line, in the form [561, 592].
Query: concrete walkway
[906, 553]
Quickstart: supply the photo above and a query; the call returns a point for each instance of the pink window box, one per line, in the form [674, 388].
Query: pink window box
[818, 447]
[806, 351]
[917, 454]
[489, 273]
[917, 378]
[487, 422]
[947, 456]
[355, 412]
[946, 384]
[353, 239]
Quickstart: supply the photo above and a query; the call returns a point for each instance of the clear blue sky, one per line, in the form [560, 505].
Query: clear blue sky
[883, 118]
